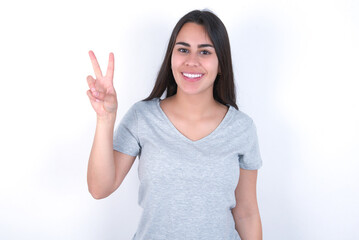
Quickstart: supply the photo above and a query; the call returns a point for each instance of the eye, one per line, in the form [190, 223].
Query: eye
[205, 52]
[183, 50]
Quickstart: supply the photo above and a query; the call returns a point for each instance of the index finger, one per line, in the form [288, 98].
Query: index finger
[110, 66]
[95, 65]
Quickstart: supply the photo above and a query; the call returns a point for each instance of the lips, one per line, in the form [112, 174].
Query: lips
[192, 77]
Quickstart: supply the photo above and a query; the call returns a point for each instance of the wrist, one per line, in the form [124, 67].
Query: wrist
[108, 119]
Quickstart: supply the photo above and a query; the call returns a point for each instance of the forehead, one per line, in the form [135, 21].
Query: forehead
[193, 33]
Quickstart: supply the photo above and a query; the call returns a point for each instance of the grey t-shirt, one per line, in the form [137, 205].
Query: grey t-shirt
[187, 188]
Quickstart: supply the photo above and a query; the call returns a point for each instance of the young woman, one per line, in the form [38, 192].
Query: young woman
[198, 154]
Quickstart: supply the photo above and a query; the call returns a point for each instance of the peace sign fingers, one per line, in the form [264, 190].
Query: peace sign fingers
[102, 93]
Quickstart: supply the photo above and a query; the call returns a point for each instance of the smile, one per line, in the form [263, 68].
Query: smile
[192, 76]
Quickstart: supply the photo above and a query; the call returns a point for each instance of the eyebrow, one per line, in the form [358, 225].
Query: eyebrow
[199, 45]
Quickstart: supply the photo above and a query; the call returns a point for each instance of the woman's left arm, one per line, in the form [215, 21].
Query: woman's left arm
[246, 213]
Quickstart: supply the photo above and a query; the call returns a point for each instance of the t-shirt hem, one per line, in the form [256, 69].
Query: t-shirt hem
[246, 167]
[128, 152]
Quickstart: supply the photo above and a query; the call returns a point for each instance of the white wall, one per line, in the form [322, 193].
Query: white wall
[296, 67]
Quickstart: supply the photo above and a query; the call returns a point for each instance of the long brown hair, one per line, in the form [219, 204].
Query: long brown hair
[224, 88]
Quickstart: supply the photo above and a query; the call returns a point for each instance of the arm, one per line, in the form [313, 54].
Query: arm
[106, 168]
[246, 213]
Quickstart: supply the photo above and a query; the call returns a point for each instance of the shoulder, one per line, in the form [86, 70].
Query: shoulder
[240, 117]
[241, 123]
[145, 110]
[145, 106]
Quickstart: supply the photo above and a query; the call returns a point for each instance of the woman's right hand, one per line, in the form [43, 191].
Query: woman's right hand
[102, 94]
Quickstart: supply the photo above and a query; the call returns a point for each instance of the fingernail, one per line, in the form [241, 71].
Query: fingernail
[93, 90]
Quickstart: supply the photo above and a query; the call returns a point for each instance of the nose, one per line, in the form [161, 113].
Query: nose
[192, 60]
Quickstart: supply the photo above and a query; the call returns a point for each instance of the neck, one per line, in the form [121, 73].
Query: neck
[194, 106]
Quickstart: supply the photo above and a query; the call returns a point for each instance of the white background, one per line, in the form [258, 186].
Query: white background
[296, 66]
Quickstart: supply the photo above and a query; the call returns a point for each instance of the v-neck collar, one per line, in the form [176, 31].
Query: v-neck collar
[203, 139]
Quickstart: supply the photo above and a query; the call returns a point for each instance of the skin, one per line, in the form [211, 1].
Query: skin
[106, 168]
[193, 111]
[246, 213]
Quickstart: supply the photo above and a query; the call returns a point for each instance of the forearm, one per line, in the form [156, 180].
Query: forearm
[249, 227]
[101, 166]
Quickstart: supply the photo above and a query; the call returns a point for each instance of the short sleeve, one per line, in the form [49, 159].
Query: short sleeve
[125, 138]
[250, 159]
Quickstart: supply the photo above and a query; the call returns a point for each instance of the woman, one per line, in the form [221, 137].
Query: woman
[198, 154]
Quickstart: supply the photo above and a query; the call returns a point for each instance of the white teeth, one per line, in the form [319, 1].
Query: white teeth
[192, 75]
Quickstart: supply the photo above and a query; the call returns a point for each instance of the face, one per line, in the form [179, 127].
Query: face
[194, 61]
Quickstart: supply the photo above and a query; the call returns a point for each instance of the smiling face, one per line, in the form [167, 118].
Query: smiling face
[194, 61]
